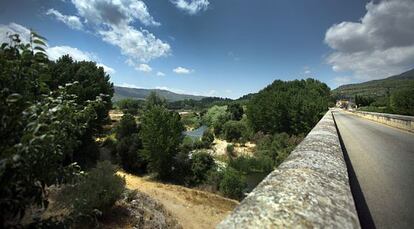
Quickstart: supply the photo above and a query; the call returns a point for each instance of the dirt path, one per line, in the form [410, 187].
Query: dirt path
[192, 208]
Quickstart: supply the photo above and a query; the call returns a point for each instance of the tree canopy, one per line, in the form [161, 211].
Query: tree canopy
[293, 106]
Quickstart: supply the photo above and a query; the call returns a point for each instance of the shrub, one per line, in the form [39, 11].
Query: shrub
[201, 163]
[98, 190]
[236, 111]
[182, 172]
[233, 183]
[208, 138]
[234, 131]
[128, 149]
[402, 101]
[126, 127]
[230, 151]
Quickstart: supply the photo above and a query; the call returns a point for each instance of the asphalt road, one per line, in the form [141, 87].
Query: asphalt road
[382, 158]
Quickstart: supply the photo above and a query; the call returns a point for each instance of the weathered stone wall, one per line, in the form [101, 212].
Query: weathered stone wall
[398, 121]
[308, 190]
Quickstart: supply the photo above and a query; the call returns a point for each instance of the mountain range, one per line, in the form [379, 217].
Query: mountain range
[141, 94]
[376, 88]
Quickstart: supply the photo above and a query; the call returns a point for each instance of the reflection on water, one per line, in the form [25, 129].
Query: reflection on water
[197, 133]
[253, 179]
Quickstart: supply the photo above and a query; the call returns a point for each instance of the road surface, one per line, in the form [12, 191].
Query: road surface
[382, 158]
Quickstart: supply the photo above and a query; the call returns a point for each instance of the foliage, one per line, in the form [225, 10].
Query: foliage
[191, 120]
[47, 124]
[181, 172]
[235, 131]
[215, 117]
[161, 134]
[233, 183]
[207, 139]
[154, 100]
[247, 165]
[92, 81]
[201, 163]
[362, 101]
[130, 106]
[230, 151]
[236, 111]
[293, 107]
[276, 148]
[130, 145]
[402, 101]
[98, 190]
[126, 127]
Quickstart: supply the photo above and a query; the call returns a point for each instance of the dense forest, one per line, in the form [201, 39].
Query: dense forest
[56, 130]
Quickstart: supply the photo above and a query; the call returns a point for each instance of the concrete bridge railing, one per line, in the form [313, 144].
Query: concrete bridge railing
[398, 121]
[310, 189]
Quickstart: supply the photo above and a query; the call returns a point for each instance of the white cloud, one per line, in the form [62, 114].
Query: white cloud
[73, 22]
[57, 51]
[128, 85]
[175, 90]
[13, 28]
[160, 74]
[112, 21]
[144, 68]
[140, 45]
[181, 70]
[114, 13]
[307, 72]
[341, 80]
[379, 45]
[191, 6]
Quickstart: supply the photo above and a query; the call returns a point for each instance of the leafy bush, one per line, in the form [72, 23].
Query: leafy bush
[402, 101]
[236, 111]
[182, 172]
[129, 150]
[98, 190]
[215, 117]
[230, 151]
[233, 183]
[126, 127]
[277, 147]
[208, 138]
[235, 131]
[130, 106]
[201, 163]
[191, 120]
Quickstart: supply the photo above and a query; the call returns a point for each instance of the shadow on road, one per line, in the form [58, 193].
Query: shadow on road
[364, 215]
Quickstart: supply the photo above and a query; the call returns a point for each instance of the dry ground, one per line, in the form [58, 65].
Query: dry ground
[192, 208]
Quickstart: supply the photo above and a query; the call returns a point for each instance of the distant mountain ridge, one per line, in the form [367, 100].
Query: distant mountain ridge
[141, 94]
[377, 88]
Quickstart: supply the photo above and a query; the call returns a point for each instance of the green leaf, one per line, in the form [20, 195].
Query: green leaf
[39, 42]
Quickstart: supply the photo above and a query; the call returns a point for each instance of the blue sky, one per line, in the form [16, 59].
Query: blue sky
[224, 48]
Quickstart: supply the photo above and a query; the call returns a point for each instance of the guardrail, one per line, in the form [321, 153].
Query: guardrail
[309, 189]
[398, 121]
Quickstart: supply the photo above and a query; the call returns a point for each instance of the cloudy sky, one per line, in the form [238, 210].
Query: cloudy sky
[223, 47]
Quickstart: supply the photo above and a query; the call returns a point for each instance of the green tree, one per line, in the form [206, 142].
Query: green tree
[236, 111]
[92, 81]
[208, 138]
[129, 147]
[201, 163]
[233, 183]
[293, 107]
[402, 101]
[161, 135]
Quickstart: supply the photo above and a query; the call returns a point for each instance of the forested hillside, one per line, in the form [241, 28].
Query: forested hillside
[376, 88]
[141, 94]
